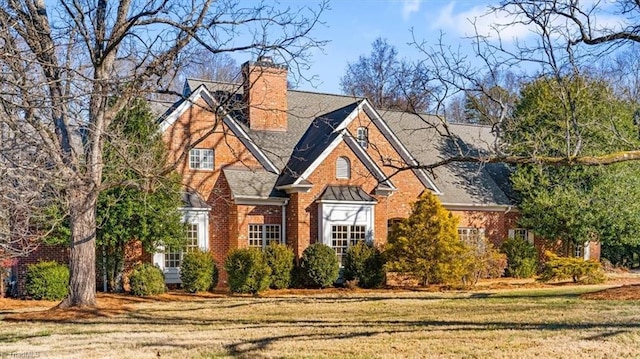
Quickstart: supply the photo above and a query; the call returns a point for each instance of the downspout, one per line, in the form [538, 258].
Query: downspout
[284, 221]
[104, 269]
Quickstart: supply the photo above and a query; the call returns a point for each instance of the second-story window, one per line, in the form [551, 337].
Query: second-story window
[201, 159]
[363, 137]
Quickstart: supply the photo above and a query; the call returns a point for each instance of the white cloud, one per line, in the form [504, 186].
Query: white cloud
[409, 7]
[479, 20]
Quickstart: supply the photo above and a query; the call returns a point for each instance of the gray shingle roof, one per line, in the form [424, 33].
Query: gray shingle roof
[193, 200]
[252, 183]
[346, 193]
[311, 118]
[461, 183]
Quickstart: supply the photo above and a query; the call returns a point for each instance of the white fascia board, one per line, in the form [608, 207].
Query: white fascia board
[342, 128]
[332, 146]
[241, 134]
[345, 202]
[368, 161]
[399, 146]
[259, 201]
[352, 116]
[182, 108]
[479, 207]
[193, 209]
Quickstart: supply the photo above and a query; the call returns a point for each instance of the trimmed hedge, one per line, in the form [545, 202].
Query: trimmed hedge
[47, 280]
[522, 258]
[280, 259]
[365, 263]
[576, 269]
[146, 279]
[319, 265]
[247, 270]
[198, 271]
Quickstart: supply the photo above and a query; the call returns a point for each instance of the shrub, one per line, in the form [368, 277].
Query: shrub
[522, 257]
[248, 271]
[198, 271]
[426, 245]
[146, 279]
[577, 269]
[364, 263]
[485, 262]
[280, 259]
[47, 280]
[319, 265]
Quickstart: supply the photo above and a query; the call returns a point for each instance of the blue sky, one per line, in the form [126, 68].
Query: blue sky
[351, 27]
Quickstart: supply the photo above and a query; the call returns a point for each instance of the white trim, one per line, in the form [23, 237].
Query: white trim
[345, 213]
[352, 116]
[364, 157]
[194, 216]
[319, 160]
[260, 201]
[299, 188]
[182, 108]
[478, 207]
[202, 92]
[403, 151]
[335, 201]
[242, 135]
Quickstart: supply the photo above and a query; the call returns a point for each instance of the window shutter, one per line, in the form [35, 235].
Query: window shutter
[342, 168]
[530, 237]
[512, 233]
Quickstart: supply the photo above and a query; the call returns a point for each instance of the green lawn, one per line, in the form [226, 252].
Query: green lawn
[533, 323]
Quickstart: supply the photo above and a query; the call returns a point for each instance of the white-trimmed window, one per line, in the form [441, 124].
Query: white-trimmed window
[362, 136]
[521, 233]
[173, 258]
[262, 235]
[345, 236]
[201, 159]
[343, 168]
[472, 236]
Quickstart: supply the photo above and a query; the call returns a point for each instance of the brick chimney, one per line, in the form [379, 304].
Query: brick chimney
[265, 91]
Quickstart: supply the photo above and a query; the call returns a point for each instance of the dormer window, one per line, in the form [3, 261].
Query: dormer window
[343, 168]
[362, 136]
[201, 159]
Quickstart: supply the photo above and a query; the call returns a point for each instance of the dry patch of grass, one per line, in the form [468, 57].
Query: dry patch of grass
[545, 322]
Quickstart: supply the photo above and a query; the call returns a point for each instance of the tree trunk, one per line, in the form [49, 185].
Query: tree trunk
[82, 256]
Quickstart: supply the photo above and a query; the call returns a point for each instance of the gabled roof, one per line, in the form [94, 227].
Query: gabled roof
[320, 135]
[462, 184]
[315, 117]
[202, 93]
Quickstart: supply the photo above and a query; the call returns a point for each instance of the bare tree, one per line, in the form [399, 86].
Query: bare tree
[68, 69]
[566, 39]
[387, 81]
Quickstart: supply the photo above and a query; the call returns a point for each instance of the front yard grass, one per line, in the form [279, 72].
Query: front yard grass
[522, 323]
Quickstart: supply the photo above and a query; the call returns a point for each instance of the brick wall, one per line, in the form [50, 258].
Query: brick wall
[265, 89]
[44, 252]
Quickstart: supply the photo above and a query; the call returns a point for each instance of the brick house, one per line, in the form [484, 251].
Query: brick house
[273, 164]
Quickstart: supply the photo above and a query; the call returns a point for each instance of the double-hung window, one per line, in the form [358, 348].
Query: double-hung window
[201, 159]
[262, 235]
[472, 236]
[345, 236]
[173, 257]
[521, 233]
